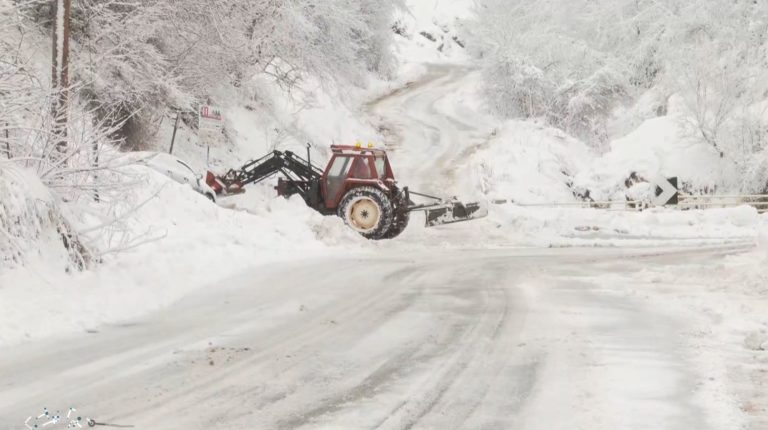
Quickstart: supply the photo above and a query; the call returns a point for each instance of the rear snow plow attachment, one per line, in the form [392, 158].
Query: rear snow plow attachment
[443, 211]
[453, 212]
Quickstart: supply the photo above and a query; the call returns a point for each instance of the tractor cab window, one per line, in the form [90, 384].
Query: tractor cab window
[381, 167]
[340, 167]
[361, 169]
[336, 176]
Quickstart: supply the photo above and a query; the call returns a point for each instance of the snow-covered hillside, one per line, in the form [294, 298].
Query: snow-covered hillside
[669, 87]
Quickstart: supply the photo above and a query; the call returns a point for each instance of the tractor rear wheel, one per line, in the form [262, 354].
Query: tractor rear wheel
[368, 211]
[399, 223]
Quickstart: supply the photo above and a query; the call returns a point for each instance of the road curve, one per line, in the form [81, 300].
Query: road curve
[461, 339]
[432, 126]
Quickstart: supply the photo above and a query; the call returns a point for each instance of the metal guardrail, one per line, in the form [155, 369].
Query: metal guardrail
[667, 194]
[686, 202]
[692, 201]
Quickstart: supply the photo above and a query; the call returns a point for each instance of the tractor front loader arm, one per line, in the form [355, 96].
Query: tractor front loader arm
[252, 172]
[299, 176]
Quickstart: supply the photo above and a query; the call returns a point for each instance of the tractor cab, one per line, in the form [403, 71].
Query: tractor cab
[355, 166]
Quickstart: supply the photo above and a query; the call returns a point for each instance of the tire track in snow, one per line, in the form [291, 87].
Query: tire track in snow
[459, 385]
[296, 340]
[411, 362]
[428, 142]
[405, 365]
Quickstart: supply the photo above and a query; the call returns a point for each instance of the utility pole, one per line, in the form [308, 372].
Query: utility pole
[175, 129]
[60, 72]
[8, 140]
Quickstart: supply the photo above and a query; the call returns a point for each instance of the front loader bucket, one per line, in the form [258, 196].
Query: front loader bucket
[455, 212]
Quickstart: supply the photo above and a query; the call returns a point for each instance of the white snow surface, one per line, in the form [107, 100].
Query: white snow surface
[441, 141]
[190, 244]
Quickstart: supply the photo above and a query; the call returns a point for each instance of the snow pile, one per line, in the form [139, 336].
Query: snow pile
[263, 203]
[529, 163]
[33, 230]
[659, 147]
[184, 243]
[532, 163]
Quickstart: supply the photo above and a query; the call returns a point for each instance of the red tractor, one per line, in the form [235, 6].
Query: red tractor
[358, 185]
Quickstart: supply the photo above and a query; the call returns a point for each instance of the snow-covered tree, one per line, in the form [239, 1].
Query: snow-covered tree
[573, 62]
[138, 57]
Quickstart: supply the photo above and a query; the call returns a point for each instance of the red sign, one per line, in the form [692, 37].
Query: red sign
[210, 112]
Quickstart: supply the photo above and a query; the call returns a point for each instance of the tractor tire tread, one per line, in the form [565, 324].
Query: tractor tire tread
[381, 199]
[399, 224]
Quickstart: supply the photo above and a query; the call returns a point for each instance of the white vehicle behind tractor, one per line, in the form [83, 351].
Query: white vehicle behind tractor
[175, 169]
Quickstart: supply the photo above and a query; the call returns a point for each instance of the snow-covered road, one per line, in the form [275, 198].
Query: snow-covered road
[432, 126]
[472, 339]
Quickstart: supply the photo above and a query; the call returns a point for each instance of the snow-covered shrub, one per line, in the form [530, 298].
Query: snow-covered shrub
[756, 173]
[20, 89]
[377, 35]
[581, 108]
[540, 59]
[49, 197]
[32, 224]
[517, 89]
[722, 73]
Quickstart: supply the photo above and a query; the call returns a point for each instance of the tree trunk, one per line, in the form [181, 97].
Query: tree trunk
[8, 140]
[60, 71]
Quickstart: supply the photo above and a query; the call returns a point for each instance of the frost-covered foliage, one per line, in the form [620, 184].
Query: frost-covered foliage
[573, 62]
[554, 59]
[44, 191]
[20, 94]
[138, 57]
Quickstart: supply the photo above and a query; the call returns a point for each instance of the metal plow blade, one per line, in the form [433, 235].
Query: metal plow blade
[453, 212]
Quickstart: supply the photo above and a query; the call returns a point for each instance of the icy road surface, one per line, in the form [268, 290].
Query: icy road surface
[465, 339]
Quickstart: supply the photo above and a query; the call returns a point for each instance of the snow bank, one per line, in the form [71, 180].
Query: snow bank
[181, 242]
[724, 304]
[659, 147]
[535, 164]
[32, 228]
[529, 163]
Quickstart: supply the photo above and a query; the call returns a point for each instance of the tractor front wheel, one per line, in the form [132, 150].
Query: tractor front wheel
[368, 211]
